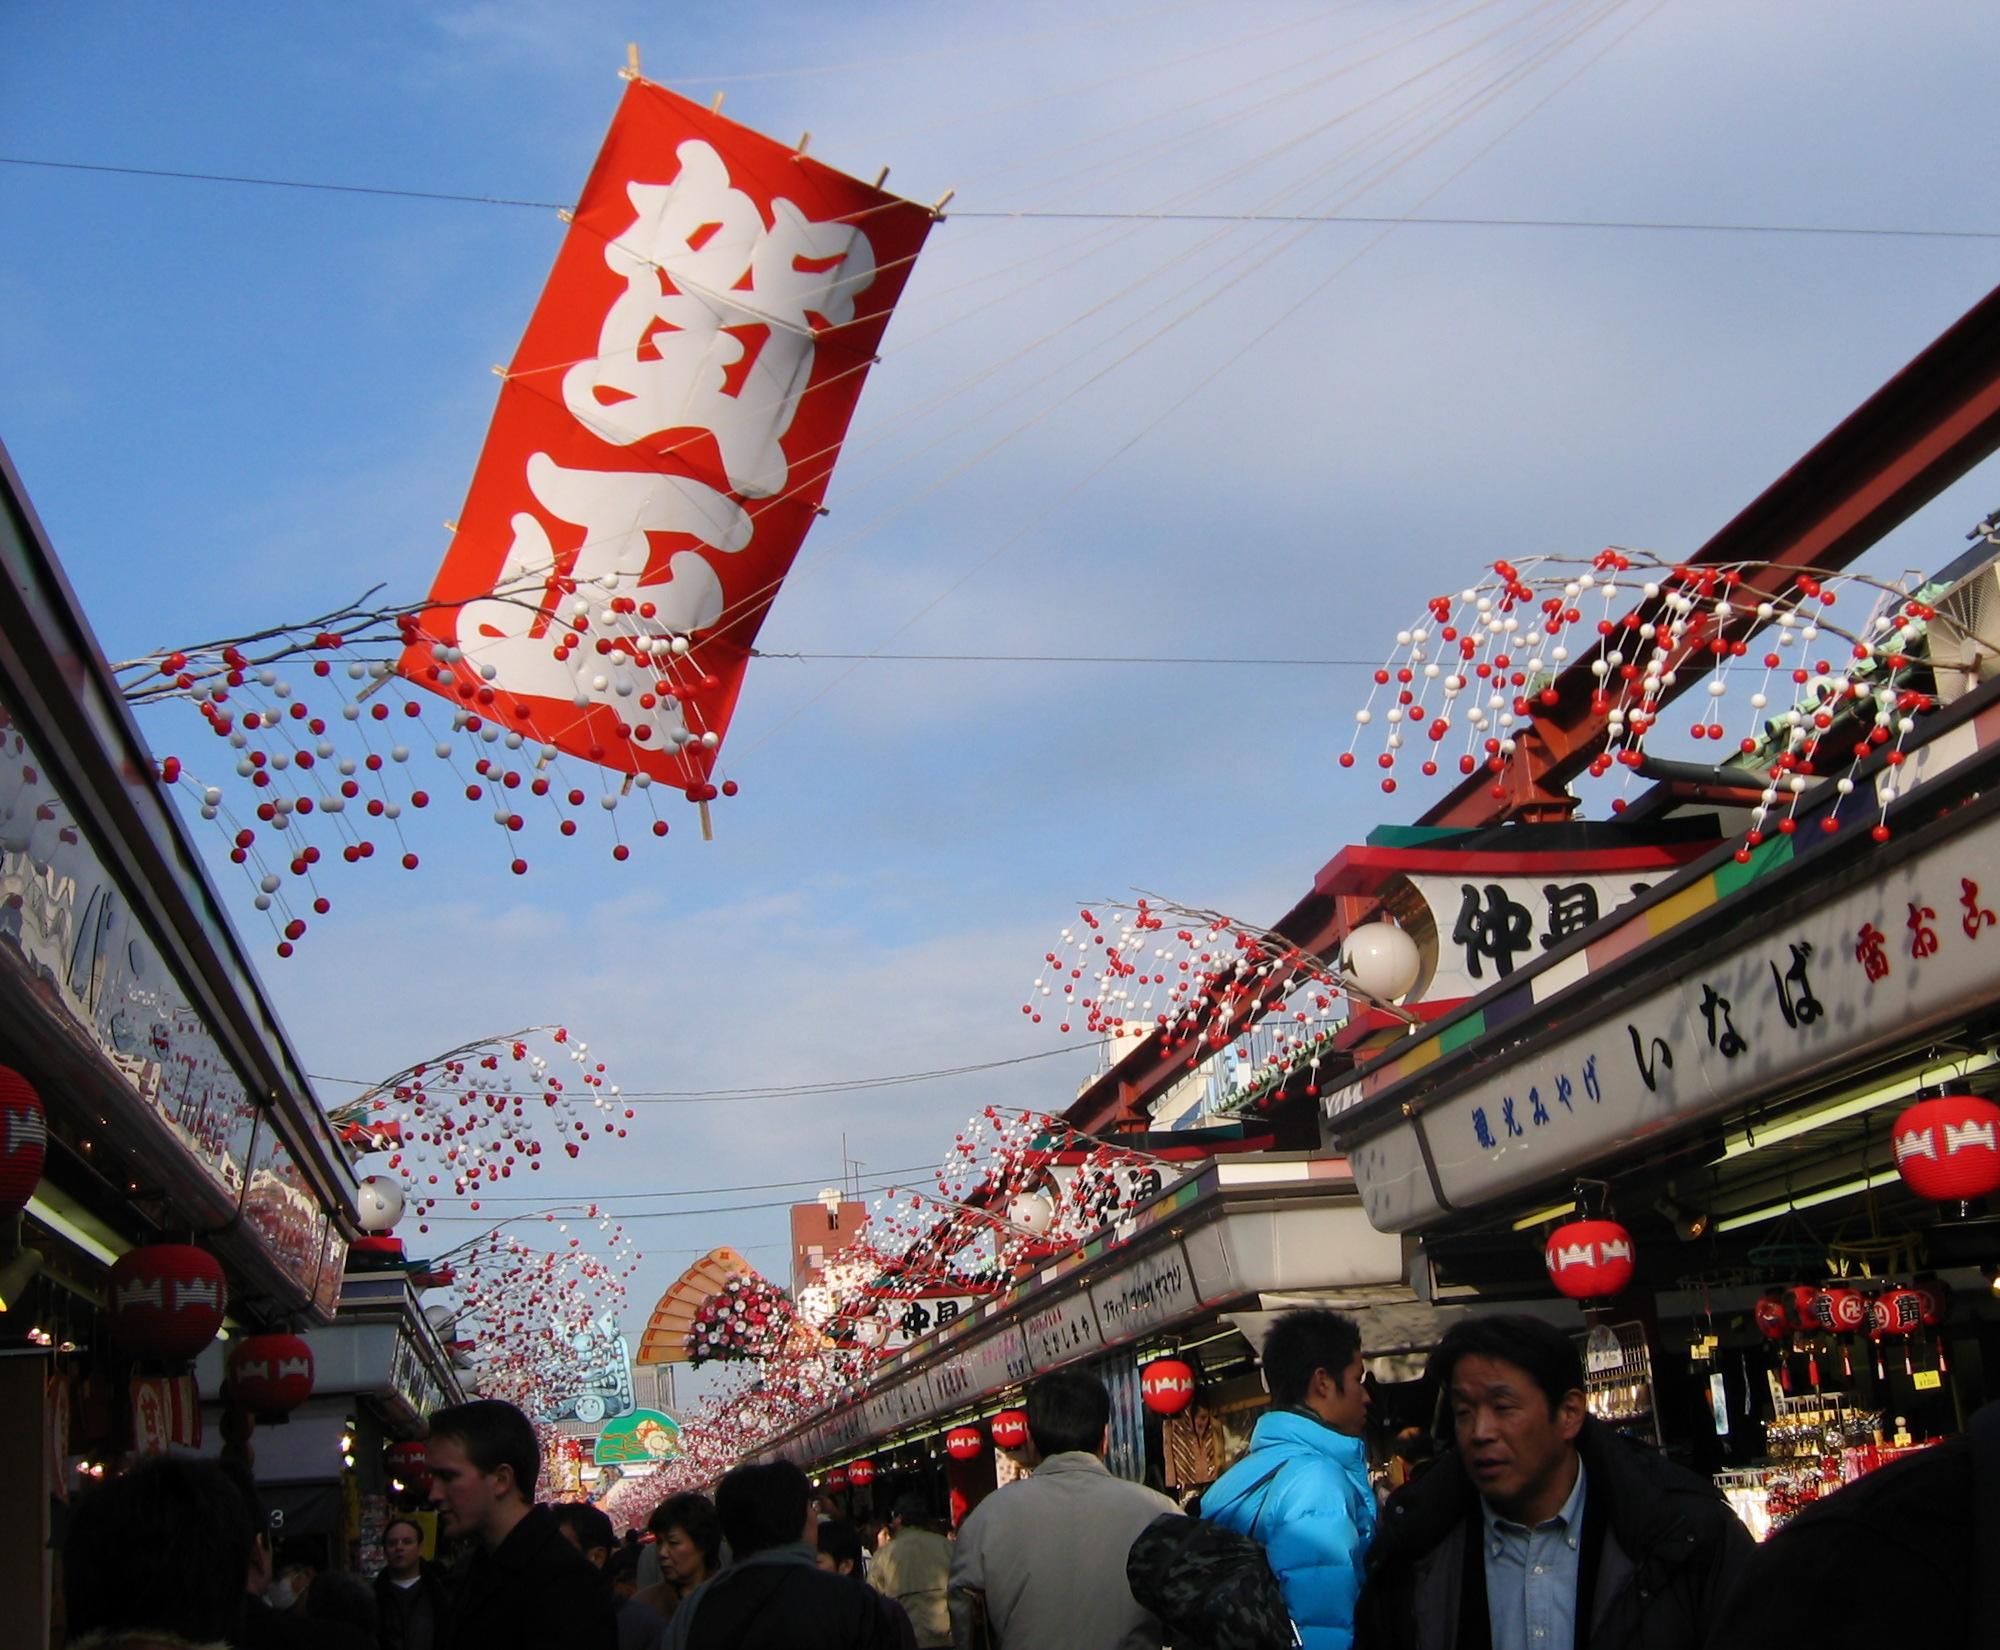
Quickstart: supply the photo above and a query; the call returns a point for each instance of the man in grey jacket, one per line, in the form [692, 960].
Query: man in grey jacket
[1043, 1558]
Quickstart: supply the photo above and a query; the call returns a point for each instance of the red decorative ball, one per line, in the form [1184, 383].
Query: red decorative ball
[1167, 1386]
[271, 1374]
[1773, 1313]
[964, 1444]
[24, 1136]
[167, 1300]
[1010, 1428]
[1589, 1259]
[1948, 1148]
[861, 1473]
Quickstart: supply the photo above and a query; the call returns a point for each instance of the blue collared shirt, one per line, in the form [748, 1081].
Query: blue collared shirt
[1531, 1576]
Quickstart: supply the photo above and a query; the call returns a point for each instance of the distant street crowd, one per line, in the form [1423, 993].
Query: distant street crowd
[1524, 1524]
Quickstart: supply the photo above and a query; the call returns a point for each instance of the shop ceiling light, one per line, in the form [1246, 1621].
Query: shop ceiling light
[1541, 1217]
[59, 1214]
[1755, 1140]
[1771, 1211]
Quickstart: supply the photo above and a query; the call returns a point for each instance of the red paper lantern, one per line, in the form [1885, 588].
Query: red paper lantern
[409, 1462]
[271, 1375]
[1167, 1386]
[1948, 1148]
[964, 1443]
[1895, 1312]
[24, 1134]
[1802, 1296]
[861, 1473]
[1773, 1313]
[1589, 1259]
[1841, 1310]
[836, 1478]
[167, 1300]
[1936, 1298]
[1010, 1428]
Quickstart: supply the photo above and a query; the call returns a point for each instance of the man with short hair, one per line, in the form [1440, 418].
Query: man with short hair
[527, 1588]
[588, 1529]
[774, 1595]
[914, 1567]
[411, 1607]
[1302, 1487]
[1548, 1529]
[1043, 1558]
[162, 1549]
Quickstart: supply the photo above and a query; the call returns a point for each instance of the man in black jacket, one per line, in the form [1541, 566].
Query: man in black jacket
[1546, 1530]
[774, 1595]
[412, 1608]
[527, 1587]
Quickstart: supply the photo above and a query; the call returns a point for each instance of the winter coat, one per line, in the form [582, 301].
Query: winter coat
[534, 1592]
[1314, 1517]
[1672, 1549]
[780, 1599]
[413, 1618]
[913, 1568]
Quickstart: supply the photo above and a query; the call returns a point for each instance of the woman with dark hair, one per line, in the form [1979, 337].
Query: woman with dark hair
[688, 1538]
[413, 1610]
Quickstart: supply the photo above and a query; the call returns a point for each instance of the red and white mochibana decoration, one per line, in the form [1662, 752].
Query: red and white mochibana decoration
[464, 1120]
[664, 439]
[1807, 696]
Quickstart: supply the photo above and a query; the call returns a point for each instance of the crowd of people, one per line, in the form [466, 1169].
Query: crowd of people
[1523, 1523]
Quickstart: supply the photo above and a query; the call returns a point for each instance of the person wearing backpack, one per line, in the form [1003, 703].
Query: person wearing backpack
[1302, 1487]
[1545, 1529]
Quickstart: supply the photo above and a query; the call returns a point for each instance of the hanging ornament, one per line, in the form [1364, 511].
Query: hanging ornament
[1167, 1386]
[836, 1478]
[167, 1300]
[1010, 1428]
[861, 1473]
[964, 1444]
[1589, 1259]
[23, 1140]
[408, 1461]
[1948, 1148]
[270, 1375]
[379, 1202]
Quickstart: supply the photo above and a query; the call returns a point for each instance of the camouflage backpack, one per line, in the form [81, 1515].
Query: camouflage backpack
[1211, 1588]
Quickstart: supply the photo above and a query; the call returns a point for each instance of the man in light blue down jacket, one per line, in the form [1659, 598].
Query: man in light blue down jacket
[1302, 1489]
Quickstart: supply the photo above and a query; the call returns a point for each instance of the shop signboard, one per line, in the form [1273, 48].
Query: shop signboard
[1148, 1294]
[604, 1383]
[1782, 1001]
[1487, 925]
[645, 1437]
[995, 1361]
[1063, 1331]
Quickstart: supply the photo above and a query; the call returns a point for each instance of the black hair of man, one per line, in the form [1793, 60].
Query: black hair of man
[493, 1434]
[336, 1596]
[694, 1516]
[841, 1542]
[410, 1523]
[590, 1525]
[762, 1506]
[1301, 1342]
[164, 1547]
[1540, 1350]
[913, 1509]
[1068, 1411]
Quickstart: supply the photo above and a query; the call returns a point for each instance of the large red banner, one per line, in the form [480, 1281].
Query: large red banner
[663, 440]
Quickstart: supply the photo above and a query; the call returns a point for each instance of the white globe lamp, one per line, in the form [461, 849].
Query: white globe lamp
[1031, 1212]
[378, 1203]
[1382, 960]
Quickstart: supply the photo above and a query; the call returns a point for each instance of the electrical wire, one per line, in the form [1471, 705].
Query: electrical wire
[1691, 226]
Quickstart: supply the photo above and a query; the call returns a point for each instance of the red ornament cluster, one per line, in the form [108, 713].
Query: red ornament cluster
[746, 1318]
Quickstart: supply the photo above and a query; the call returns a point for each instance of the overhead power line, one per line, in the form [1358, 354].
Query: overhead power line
[1037, 215]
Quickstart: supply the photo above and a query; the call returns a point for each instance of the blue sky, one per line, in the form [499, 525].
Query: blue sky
[233, 405]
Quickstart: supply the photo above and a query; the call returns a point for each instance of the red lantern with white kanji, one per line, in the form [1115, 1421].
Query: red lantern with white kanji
[861, 1473]
[1948, 1148]
[1840, 1310]
[271, 1375]
[1773, 1313]
[964, 1443]
[167, 1300]
[1010, 1428]
[409, 1464]
[1589, 1259]
[24, 1137]
[1167, 1386]
[836, 1478]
